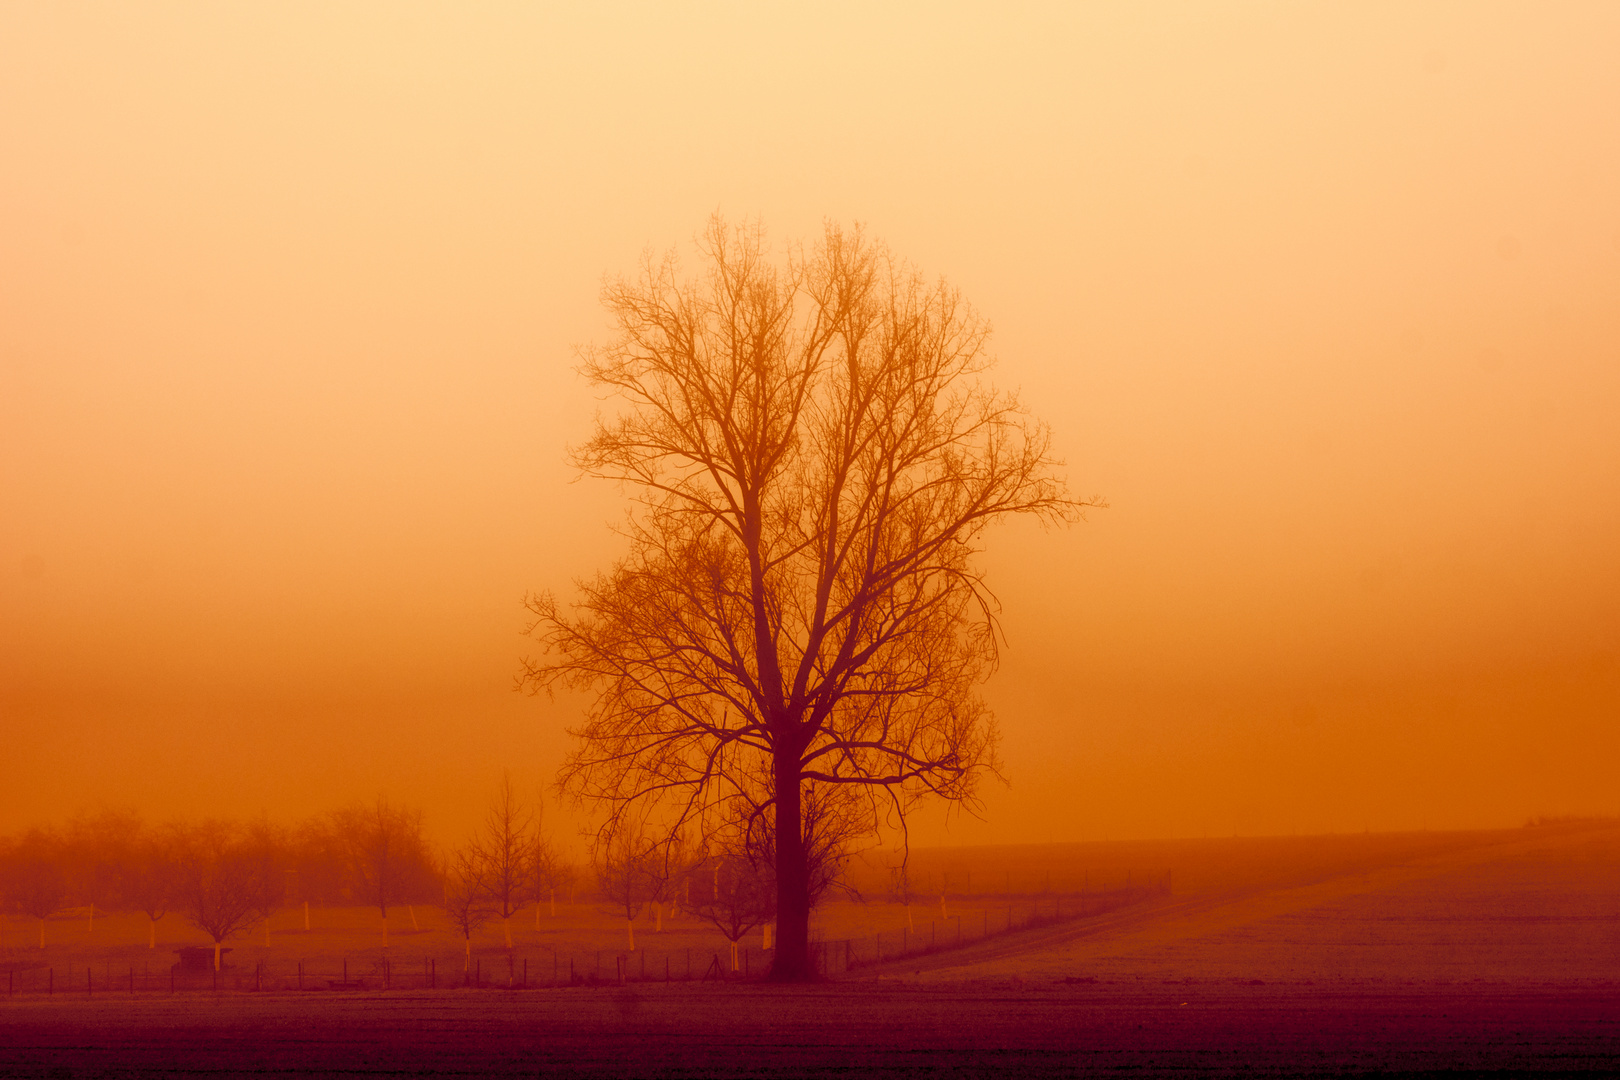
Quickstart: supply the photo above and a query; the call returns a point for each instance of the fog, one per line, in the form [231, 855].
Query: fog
[1325, 303]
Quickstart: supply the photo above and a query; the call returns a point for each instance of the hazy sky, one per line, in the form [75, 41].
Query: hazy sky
[1324, 299]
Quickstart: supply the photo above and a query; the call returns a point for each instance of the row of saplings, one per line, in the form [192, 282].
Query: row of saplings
[226, 877]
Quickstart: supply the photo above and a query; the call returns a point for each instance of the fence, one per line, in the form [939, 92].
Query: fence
[966, 928]
[555, 967]
[547, 969]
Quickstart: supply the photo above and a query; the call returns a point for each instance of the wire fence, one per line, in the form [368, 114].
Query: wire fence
[980, 923]
[515, 971]
[557, 967]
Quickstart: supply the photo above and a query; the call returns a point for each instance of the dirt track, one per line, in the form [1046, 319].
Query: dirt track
[1541, 907]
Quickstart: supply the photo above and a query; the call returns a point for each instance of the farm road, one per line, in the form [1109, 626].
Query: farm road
[1543, 906]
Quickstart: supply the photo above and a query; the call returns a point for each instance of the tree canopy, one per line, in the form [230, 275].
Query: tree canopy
[813, 459]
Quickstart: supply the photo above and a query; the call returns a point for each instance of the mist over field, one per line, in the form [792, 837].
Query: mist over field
[1323, 303]
[809, 539]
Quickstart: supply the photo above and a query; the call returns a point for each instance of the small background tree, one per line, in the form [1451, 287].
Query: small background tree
[221, 887]
[511, 851]
[98, 849]
[466, 899]
[387, 854]
[35, 880]
[629, 874]
[733, 893]
[151, 880]
[265, 844]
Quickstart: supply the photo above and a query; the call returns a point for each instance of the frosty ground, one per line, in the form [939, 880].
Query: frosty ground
[1495, 952]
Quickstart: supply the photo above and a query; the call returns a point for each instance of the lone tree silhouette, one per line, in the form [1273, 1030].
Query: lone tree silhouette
[813, 460]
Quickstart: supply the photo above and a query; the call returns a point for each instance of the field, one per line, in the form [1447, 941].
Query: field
[1323, 956]
[582, 942]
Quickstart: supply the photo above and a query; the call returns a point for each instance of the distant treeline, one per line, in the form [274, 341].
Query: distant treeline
[226, 876]
[113, 860]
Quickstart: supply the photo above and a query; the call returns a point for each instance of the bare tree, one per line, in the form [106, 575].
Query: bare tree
[509, 847]
[629, 873]
[320, 862]
[466, 900]
[547, 871]
[815, 462]
[900, 890]
[265, 844]
[734, 894]
[220, 888]
[152, 879]
[99, 848]
[387, 853]
[33, 877]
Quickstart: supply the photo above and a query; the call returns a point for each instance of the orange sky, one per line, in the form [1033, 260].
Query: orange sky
[1324, 300]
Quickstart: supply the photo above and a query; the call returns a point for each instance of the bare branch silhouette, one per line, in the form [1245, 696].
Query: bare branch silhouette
[814, 461]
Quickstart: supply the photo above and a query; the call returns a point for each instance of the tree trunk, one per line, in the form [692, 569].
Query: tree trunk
[506, 922]
[792, 961]
[216, 956]
[630, 928]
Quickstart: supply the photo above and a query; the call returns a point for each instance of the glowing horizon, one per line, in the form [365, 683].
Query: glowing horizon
[1322, 302]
